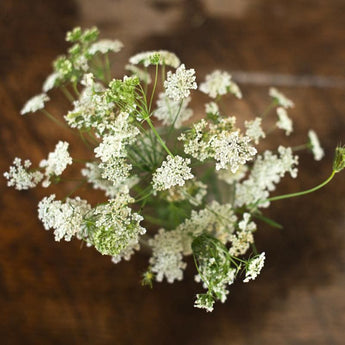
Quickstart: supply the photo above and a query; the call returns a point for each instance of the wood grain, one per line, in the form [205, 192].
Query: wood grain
[55, 293]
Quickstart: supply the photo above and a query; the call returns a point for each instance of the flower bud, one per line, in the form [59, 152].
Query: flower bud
[339, 159]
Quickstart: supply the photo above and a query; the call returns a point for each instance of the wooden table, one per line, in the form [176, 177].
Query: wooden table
[55, 293]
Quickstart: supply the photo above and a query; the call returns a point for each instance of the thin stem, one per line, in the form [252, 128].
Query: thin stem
[300, 147]
[268, 109]
[51, 117]
[148, 120]
[107, 64]
[67, 94]
[292, 195]
[154, 88]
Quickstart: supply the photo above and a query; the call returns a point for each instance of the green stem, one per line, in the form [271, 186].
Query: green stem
[67, 94]
[148, 120]
[154, 88]
[292, 195]
[268, 109]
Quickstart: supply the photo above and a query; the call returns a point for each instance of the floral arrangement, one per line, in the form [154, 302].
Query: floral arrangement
[176, 187]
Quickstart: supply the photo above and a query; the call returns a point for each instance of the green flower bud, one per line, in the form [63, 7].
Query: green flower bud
[339, 159]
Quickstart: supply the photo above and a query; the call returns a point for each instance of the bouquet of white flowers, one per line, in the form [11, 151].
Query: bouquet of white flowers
[178, 187]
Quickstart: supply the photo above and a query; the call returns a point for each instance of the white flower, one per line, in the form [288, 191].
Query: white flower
[20, 177]
[240, 242]
[235, 90]
[162, 57]
[212, 108]
[114, 229]
[194, 144]
[50, 81]
[170, 111]
[316, 148]
[94, 173]
[267, 171]
[178, 84]
[216, 84]
[115, 170]
[104, 46]
[281, 99]
[166, 260]
[254, 268]
[254, 129]
[232, 150]
[65, 218]
[229, 177]
[204, 301]
[174, 171]
[284, 122]
[56, 162]
[35, 103]
[216, 219]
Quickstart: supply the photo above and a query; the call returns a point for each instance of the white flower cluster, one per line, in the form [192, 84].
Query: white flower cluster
[20, 177]
[161, 57]
[231, 150]
[174, 171]
[141, 151]
[267, 171]
[56, 162]
[280, 99]
[166, 260]
[284, 122]
[172, 112]
[254, 129]
[178, 85]
[35, 103]
[241, 241]
[254, 268]
[104, 46]
[113, 228]
[219, 83]
[316, 148]
[65, 218]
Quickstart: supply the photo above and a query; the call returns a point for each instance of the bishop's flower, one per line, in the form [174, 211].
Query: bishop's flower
[316, 148]
[178, 85]
[35, 103]
[174, 171]
[254, 267]
[56, 162]
[280, 99]
[284, 121]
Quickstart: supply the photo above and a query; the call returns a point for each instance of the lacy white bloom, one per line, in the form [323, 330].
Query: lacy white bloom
[105, 46]
[174, 171]
[232, 150]
[170, 111]
[127, 252]
[267, 171]
[281, 99]
[240, 242]
[235, 90]
[115, 170]
[178, 84]
[166, 260]
[229, 177]
[113, 227]
[254, 129]
[162, 57]
[254, 268]
[56, 162]
[212, 108]
[140, 73]
[50, 82]
[216, 219]
[216, 84]
[94, 173]
[35, 103]
[284, 122]
[194, 143]
[20, 177]
[65, 218]
[316, 148]
[204, 301]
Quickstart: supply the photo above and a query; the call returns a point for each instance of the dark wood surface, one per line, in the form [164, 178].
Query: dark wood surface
[55, 293]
